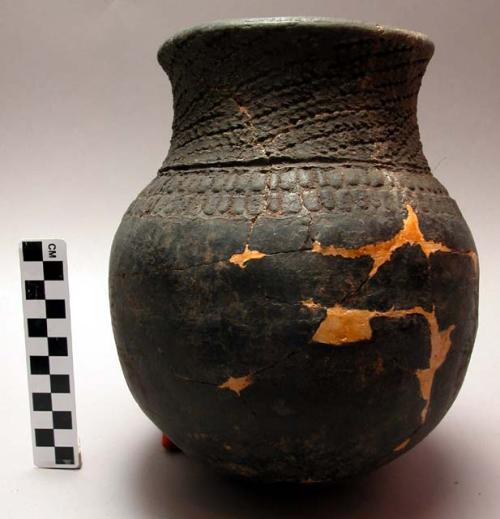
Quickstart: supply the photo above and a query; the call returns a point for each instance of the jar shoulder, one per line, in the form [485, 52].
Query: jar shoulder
[346, 206]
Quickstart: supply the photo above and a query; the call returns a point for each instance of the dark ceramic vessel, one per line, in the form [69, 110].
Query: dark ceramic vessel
[294, 296]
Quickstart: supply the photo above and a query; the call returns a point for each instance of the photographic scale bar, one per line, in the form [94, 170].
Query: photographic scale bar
[47, 327]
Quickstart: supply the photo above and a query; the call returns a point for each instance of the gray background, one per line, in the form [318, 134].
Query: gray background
[85, 122]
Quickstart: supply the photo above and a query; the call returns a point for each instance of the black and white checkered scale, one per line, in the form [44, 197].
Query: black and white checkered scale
[49, 356]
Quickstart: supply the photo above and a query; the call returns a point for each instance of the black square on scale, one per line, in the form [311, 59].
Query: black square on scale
[42, 402]
[39, 365]
[65, 456]
[62, 419]
[37, 327]
[58, 346]
[44, 437]
[53, 270]
[59, 383]
[35, 289]
[55, 308]
[32, 251]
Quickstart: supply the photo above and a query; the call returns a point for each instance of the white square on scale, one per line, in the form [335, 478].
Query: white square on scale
[45, 456]
[64, 437]
[32, 270]
[60, 365]
[62, 402]
[37, 345]
[42, 420]
[34, 308]
[55, 290]
[57, 327]
[40, 383]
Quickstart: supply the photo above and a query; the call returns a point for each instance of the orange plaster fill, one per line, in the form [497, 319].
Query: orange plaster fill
[247, 255]
[347, 325]
[381, 251]
[238, 384]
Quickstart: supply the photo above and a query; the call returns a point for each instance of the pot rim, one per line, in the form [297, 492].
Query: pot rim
[295, 22]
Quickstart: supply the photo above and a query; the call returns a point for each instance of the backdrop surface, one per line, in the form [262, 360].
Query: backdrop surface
[85, 123]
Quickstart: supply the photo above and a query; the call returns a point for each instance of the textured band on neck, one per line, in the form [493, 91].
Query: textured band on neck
[296, 91]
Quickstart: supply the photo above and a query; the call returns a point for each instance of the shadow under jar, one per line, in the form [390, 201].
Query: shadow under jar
[294, 296]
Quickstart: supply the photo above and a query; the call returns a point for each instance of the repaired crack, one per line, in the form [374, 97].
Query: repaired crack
[381, 252]
[248, 122]
[238, 384]
[344, 325]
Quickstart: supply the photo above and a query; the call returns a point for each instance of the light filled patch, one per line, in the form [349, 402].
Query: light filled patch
[344, 325]
[441, 343]
[242, 258]
[381, 251]
[237, 384]
[348, 325]
[309, 303]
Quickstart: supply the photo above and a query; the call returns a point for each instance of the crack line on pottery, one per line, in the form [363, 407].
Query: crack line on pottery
[238, 384]
[343, 326]
[381, 252]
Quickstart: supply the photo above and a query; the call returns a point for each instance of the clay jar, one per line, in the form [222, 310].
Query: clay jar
[294, 296]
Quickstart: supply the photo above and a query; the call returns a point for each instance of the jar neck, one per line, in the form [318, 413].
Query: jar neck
[300, 95]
